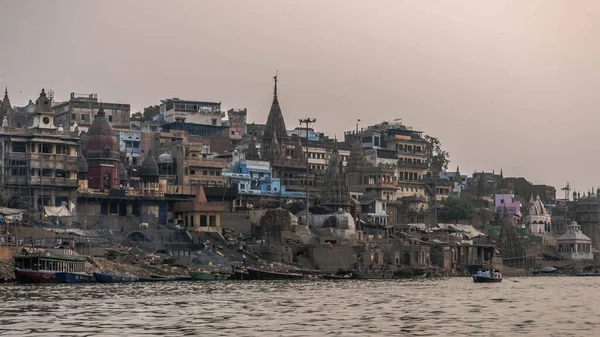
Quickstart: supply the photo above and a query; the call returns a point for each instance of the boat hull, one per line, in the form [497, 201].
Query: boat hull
[258, 274]
[62, 277]
[111, 278]
[483, 279]
[35, 276]
[204, 276]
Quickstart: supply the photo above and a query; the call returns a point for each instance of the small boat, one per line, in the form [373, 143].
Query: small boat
[112, 278]
[338, 277]
[252, 273]
[485, 279]
[208, 276]
[64, 277]
[35, 276]
[372, 275]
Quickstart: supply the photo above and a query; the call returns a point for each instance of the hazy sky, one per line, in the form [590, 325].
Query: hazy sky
[503, 84]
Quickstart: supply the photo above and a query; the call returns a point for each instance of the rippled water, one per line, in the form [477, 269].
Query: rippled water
[543, 306]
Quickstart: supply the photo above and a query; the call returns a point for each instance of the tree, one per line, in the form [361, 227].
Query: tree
[150, 111]
[137, 116]
[437, 158]
[457, 208]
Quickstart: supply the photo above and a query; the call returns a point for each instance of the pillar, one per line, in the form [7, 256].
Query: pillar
[129, 209]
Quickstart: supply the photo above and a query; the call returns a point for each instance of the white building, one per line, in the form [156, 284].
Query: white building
[574, 245]
[538, 220]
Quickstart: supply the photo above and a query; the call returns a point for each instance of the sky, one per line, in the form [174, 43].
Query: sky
[511, 85]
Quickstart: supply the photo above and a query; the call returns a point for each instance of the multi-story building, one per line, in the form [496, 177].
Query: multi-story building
[130, 146]
[255, 182]
[39, 164]
[81, 109]
[196, 112]
[237, 120]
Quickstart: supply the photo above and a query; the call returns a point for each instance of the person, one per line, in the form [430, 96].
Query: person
[244, 259]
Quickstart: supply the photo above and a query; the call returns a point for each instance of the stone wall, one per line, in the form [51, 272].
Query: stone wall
[332, 260]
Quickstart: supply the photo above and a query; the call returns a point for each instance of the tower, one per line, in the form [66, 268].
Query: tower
[102, 154]
[275, 127]
[44, 115]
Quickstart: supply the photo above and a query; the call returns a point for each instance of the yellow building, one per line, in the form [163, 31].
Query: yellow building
[199, 215]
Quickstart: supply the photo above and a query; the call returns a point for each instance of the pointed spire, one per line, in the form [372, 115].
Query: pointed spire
[275, 150]
[275, 87]
[101, 111]
[501, 174]
[6, 92]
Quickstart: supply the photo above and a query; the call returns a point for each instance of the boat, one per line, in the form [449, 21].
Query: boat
[42, 267]
[35, 276]
[378, 275]
[253, 273]
[208, 276]
[64, 277]
[338, 277]
[112, 278]
[485, 279]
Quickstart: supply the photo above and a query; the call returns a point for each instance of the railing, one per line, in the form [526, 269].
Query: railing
[412, 164]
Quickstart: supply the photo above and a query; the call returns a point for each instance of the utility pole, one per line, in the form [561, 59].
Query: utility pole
[307, 121]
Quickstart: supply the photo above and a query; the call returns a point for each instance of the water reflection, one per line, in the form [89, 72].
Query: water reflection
[536, 306]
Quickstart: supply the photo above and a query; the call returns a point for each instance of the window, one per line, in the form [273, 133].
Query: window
[46, 173]
[214, 121]
[45, 148]
[218, 173]
[19, 147]
[60, 173]
[61, 149]
[213, 220]
[19, 168]
[203, 221]
[73, 116]
[192, 171]
[233, 133]
[110, 118]
[205, 172]
[83, 117]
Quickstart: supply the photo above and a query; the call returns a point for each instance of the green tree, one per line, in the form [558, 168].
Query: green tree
[437, 157]
[150, 111]
[137, 116]
[457, 208]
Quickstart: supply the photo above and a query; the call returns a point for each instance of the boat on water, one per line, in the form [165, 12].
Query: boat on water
[199, 275]
[338, 277]
[64, 277]
[42, 267]
[112, 278]
[488, 276]
[253, 273]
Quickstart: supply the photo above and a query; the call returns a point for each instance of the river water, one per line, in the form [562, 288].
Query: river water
[537, 306]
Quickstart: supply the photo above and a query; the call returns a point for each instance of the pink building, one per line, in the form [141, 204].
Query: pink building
[512, 207]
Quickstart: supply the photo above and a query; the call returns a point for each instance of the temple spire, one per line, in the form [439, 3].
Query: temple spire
[275, 87]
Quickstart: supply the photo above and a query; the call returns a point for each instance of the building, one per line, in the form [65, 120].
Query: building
[575, 245]
[585, 210]
[255, 182]
[195, 112]
[513, 207]
[199, 215]
[130, 146]
[81, 110]
[39, 164]
[538, 220]
[237, 120]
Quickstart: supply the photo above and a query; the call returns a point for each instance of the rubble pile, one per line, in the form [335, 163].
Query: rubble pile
[273, 222]
[7, 271]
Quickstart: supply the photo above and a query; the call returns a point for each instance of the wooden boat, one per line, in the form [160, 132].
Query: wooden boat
[252, 273]
[338, 277]
[64, 277]
[42, 267]
[35, 276]
[372, 276]
[112, 278]
[484, 279]
[208, 276]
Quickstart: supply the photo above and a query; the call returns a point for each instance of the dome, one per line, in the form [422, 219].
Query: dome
[122, 172]
[82, 164]
[574, 233]
[149, 169]
[537, 207]
[101, 139]
[165, 158]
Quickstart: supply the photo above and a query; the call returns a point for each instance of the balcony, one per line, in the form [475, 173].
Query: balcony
[54, 181]
[206, 162]
[420, 165]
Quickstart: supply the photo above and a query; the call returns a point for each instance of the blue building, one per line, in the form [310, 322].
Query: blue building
[254, 179]
[129, 145]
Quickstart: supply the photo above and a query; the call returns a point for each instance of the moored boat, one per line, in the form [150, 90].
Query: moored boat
[253, 273]
[112, 278]
[35, 276]
[208, 276]
[64, 277]
[42, 267]
[338, 277]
